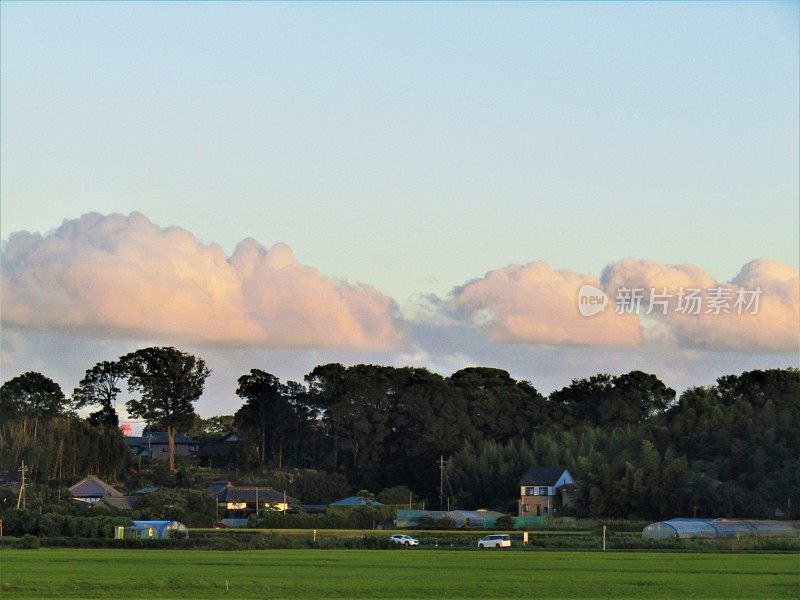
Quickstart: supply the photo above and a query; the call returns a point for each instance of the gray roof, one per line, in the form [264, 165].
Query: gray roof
[93, 487]
[158, 437]
[355, 501]
[124, 503]
[542, 475]
[217, 487]
[232, 493]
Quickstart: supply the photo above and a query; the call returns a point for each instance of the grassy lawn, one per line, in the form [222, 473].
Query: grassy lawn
[90, 573]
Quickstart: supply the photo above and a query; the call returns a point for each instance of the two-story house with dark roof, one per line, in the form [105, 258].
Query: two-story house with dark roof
[155, 445]
[543, 491]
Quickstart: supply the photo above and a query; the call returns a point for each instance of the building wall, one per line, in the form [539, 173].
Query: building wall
[536, 506]
[161, 451]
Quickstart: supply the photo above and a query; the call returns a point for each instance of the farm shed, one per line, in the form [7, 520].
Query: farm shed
[156, 530]
[718, 528]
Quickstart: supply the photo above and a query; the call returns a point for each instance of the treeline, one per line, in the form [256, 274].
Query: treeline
[635, 450]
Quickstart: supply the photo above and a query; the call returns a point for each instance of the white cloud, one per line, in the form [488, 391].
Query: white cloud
[535, 304]
[772, 325]
[125, 276]
[532, 303]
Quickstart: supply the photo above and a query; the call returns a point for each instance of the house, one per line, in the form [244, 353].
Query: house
[156, 530]
[155, 445]
[355, 501]
[239, 502]
[544, 491]
[91, 489]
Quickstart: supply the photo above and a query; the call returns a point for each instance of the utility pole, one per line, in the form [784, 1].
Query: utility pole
[22, 496]
[441, 462]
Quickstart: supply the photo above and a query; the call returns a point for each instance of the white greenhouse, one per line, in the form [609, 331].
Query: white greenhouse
[719, 528]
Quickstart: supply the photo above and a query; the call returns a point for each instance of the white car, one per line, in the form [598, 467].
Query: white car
[496, 540]
[406, 540]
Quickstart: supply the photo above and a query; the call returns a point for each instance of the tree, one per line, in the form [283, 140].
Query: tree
[31, 395]
[212, 427]
[611, 401]
[99, 388]
[398, 494]
[499, 406]
[170, 382]
[264, 407]
[354, 404]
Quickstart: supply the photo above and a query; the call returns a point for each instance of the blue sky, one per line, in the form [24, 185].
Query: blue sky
[414, 146]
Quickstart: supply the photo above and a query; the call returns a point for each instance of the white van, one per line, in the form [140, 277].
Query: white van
[496, 540]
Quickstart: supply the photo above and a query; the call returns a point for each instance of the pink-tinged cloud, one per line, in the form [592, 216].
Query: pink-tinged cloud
[535, 304]
[770, 323]
[125, 276]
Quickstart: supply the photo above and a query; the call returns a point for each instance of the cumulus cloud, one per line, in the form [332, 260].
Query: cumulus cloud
[125, 276]
[534, 303]
[758, 310]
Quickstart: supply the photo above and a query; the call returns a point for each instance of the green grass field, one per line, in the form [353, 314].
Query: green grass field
[129, 574]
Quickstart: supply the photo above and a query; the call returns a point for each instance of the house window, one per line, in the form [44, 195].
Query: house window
[543, 491]
[526, 508]
[530, 491]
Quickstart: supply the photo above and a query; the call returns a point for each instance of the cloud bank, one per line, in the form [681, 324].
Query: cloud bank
[535, 304]
[125, 276]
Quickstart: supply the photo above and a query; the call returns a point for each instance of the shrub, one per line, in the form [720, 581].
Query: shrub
[27, 542]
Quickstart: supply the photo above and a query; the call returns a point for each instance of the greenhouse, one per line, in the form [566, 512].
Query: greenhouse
[158, 530]
[719, 528]
[462, 518]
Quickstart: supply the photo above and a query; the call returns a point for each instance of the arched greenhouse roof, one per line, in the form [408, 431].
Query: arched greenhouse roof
[718, 528]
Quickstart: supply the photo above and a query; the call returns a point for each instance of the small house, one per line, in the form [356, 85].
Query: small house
[239, 502]
[545, 491]
[91, 489]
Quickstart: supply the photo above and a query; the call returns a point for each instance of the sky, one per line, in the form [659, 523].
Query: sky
[276, 185]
